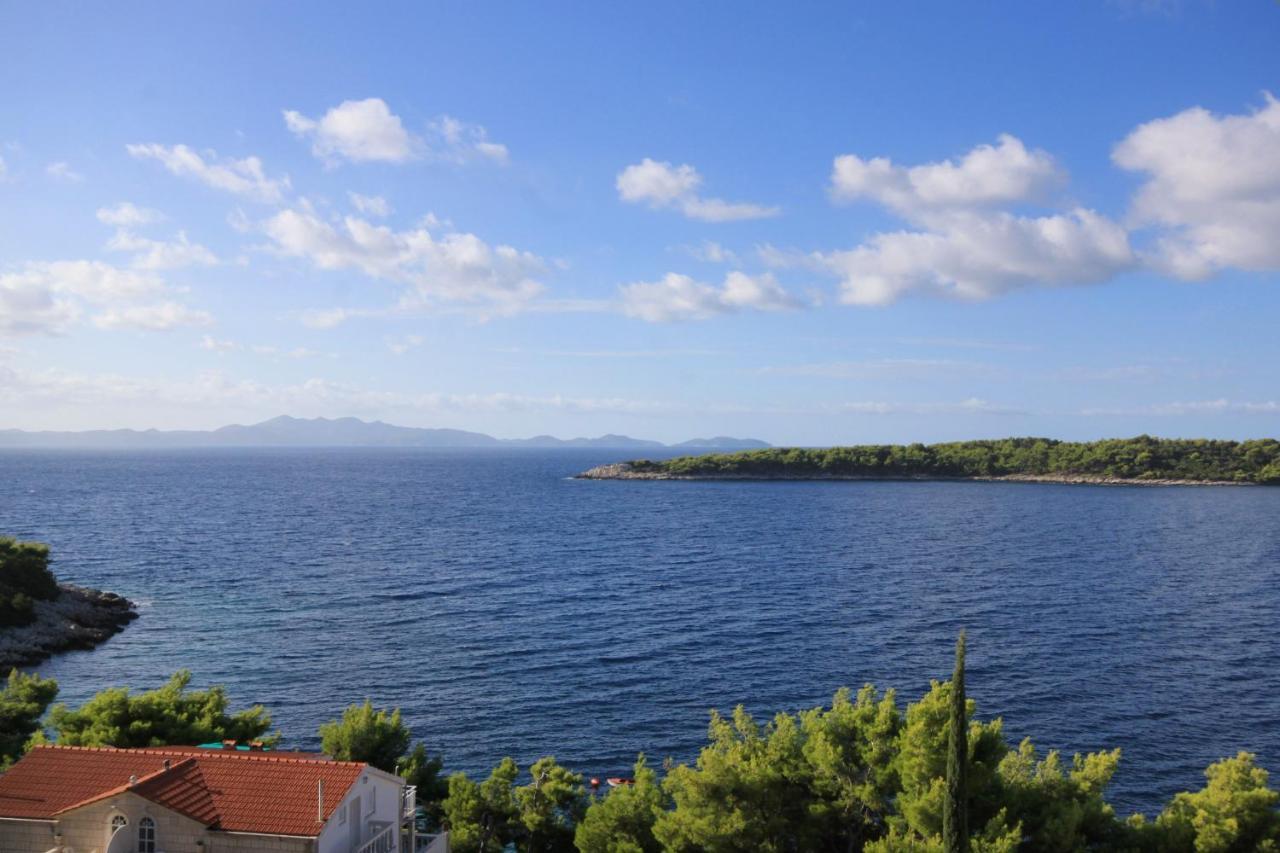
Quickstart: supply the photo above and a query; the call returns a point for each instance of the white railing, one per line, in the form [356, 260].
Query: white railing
[433, 843]
[384, 842]
[409, 801]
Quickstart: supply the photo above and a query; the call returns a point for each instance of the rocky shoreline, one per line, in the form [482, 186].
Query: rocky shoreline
[80, 618]
[625, 471]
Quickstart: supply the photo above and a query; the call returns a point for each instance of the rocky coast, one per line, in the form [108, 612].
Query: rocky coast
[79, 618]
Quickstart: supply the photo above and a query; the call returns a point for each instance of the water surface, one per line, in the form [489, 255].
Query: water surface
[511, 610]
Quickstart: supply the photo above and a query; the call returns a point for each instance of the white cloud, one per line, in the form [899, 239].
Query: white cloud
[987, 176]
[62, 171]
[370, 205]
[679, 297]
[712, 253]
[1194, 407]
[1213, 187]
[159, 254]
[661, 185]
[244, 177]
[456, 267]
[356, 131]
[457, 141]
[884, 368]
[968, 248]
[158, 317]
[367, 131]
[979, 256]
[128, 215]
[49, 297]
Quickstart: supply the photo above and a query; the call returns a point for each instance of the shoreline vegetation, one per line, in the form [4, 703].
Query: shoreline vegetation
[1141, 461]
[862, 773]
[40, 616]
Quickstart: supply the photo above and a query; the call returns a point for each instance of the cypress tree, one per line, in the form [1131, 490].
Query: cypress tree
[955, 812]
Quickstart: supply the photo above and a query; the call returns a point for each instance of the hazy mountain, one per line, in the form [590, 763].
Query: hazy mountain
[285, 431]
[724, 442]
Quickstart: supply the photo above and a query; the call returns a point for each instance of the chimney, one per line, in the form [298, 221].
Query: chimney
[133, 780]
[256, 746]
[228, 744]
[166, 764]
[319, 801]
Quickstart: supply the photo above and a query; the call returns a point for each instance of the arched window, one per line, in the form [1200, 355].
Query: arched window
[118, 822]
[146, 835]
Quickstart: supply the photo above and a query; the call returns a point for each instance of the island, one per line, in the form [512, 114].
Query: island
[1129, 461]
[40, 616]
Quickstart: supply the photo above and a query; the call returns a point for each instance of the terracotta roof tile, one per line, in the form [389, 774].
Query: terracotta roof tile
[266, 792]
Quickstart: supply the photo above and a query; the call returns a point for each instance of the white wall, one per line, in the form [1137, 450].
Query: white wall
[335, 837]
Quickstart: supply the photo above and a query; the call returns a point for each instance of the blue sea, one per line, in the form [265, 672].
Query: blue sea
[511, 610]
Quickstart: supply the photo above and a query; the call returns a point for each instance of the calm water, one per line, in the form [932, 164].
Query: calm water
[509, 610]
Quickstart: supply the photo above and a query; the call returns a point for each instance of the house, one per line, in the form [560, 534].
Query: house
[67, 799]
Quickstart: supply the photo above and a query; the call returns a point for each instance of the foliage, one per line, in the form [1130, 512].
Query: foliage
[955, 808]
[1235, 812]
[169, 715]
[1142, 458]
[24, 579]
[551, 806]
[483, 817]
[381, 739]
[622, 821]
[375, 737]
[23, 700]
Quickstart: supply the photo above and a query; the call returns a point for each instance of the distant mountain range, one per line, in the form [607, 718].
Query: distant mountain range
[285, 431]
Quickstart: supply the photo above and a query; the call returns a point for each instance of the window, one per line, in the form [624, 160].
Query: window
[118, 822]
[146, 835]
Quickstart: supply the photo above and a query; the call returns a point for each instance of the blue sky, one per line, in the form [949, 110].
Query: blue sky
[810, 223]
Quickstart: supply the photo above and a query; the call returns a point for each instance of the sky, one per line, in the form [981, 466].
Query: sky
[803, 222]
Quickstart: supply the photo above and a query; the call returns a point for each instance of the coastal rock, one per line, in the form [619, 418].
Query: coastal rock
[80, 618]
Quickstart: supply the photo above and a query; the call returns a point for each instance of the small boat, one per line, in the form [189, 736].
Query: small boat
[616, 781]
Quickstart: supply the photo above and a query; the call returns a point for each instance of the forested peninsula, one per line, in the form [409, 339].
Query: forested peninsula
[1129, 461]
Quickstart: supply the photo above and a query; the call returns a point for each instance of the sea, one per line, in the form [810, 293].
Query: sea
[508, 609]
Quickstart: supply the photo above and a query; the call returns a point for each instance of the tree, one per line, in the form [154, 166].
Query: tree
[376, 737]
[550, 807]
[622, 820]
[23, 701]
[483, 817]
[955, 811]
[380, 739]
[1060, 811]
[168, 716]
[1234, 813]
[751, 790]
[24, 579]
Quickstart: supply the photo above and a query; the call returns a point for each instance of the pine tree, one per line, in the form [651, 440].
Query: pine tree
[955, 814]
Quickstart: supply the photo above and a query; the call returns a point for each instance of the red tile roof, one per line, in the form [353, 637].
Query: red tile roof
[266, 792]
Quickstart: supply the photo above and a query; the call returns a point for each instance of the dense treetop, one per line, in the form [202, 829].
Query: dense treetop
[1141, 458]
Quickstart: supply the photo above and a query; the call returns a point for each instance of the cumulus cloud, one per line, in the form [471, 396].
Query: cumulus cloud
[979, 256]
[966, 246]
[368, 131]
[50, 297]
[356, 131]
[988, 176]
[662, 185]
[679, 297]
[62, 171]
[370, 205]
[1213, 188]
[244, 177]
[455, 267]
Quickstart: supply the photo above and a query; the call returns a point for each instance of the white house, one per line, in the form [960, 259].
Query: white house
[61, 799]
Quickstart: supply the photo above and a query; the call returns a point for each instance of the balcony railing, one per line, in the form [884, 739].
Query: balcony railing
[386, 841]
[409, 802]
